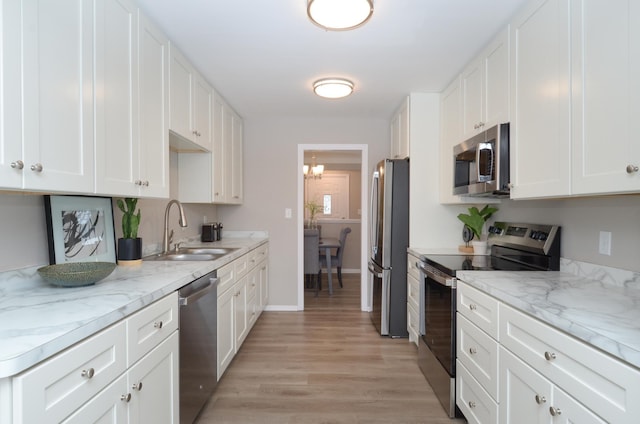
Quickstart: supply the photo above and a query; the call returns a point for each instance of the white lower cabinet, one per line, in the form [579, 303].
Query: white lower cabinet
[242, 295]
[523, 370]
[413, 299]
[528, 397]
[105, 378]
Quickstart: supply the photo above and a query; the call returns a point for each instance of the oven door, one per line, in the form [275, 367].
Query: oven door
[438, 314]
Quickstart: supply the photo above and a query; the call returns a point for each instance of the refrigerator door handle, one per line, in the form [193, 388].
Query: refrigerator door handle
[373, 234]
[374, 271]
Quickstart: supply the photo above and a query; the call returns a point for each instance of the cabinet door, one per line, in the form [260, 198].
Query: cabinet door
[117, 155]
[495, 105]
[241, 312]
[605, 67]
[400, 131]
[11, 157]
[153, 384]
[450, 135]
[226, 336]
[154, 108]
[236, 160]
[568, 410]
[219, 150]
[107, 407]
[264, 283]
[181, 83]
[203, 113]
[540, 101]
[525, 395]
[58, 92]
[472, 96]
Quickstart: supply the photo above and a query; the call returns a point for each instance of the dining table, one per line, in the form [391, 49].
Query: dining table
[326, 244]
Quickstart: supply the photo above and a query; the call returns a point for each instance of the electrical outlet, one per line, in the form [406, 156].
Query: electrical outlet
[287, 213]
[605, 243]
[204, 219]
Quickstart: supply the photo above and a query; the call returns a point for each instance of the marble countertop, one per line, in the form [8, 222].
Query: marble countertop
[38, 320]
[600, 314]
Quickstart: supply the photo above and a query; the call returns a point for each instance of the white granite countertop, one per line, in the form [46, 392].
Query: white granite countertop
[600, 314]
[38, 320]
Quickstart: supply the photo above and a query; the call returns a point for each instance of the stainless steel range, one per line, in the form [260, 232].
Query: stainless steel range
[514, 247]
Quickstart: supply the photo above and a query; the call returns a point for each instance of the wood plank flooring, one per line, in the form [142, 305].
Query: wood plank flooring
[324, 365]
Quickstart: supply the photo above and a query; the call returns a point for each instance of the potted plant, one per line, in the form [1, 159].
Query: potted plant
[314, 208]
[130, 245]
[474, 221]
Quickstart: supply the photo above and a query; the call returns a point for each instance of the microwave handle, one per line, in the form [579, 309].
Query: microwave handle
[479, 177]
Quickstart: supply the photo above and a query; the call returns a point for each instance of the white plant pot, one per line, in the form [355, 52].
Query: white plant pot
[479, 247]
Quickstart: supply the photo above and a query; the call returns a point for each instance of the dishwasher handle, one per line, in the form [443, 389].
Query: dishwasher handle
[199, 293]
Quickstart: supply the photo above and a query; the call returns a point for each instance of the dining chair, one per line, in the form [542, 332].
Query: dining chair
[337, 259]
[311, 258]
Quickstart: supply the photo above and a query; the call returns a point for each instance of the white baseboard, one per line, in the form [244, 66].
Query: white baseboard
[281, 308]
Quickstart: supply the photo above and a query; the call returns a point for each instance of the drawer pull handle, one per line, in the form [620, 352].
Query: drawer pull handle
[549, 356]
[158, 324]
[37, 167]
[88, 373]
[17, 164]
[137, 386]
[473, 350]
[540, 399]
[126, 398]
[472, 404]
[632, 169]
[554, 411]
[473, 306]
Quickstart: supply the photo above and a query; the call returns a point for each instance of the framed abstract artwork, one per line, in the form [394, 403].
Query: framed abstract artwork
[80, 229]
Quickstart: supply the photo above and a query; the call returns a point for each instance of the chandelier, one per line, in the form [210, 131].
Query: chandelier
[313, 171]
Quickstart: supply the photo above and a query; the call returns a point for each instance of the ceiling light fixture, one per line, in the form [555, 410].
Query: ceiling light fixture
[339, 15]
[333, 88]
[314, 171]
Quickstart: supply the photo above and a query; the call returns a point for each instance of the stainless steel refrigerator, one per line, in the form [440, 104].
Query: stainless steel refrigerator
[389, 237]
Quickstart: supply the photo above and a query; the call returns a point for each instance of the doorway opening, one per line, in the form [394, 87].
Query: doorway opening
[337, 159]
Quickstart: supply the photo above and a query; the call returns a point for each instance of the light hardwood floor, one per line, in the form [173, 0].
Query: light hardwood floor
[324, 365]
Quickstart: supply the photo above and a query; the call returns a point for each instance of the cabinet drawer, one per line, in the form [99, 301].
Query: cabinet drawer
[106, 404]
[474, 402]
[257, 255]
[412, 269]
[51, 391]
[607, 386]
[241, 266]
[147, 328]
[226, 277]
[479, 308]
[413, 291]
[479, 353]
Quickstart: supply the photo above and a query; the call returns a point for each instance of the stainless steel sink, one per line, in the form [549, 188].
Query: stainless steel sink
[192, 254]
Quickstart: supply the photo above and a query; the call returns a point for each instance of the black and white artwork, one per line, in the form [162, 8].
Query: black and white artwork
[80, 229]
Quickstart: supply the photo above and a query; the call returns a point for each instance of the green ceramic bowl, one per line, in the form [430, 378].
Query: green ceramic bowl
[76, 274]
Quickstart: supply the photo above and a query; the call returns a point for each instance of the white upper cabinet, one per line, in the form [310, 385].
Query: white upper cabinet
[215, 177]
[191, 102]
[540, 101]
[132, 150]
[605, 61]
[400, 131]
[485, 88]
[47, 141]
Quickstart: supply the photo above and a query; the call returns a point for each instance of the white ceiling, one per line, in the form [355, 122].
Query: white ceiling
[263, 55]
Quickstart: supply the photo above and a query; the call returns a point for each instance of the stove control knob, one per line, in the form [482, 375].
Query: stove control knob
[533, 235]
[542, 236]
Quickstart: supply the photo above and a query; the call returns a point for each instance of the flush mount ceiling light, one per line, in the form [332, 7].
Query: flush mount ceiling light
[339, 15]
[333, 88]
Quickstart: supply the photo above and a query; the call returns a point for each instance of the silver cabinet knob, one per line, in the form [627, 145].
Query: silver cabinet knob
[88, 373]
[554, 411]
[473, 306]
[145, 183]
[37, 167]
[17, 164]
[472, 404]
[137, 386]
[473, 350]
[540, 399]
[138, 182]
[158, 324]
[126, 398]
[549, 356]
[632, 169]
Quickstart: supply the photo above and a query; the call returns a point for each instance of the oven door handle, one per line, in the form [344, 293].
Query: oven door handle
[447, 282]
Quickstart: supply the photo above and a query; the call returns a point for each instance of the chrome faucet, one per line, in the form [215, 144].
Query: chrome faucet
[168, 237]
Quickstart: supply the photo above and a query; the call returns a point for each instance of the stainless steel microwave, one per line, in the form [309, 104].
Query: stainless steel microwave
[481, 164]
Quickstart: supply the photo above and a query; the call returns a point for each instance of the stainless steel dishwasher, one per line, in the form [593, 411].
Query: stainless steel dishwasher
[198, 345]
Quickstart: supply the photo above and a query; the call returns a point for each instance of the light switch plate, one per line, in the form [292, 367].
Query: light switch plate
[605, 243]
[287, 213]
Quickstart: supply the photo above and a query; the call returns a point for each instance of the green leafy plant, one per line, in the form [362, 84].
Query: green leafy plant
[130, 220]
[475, 219]
[314, 208]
